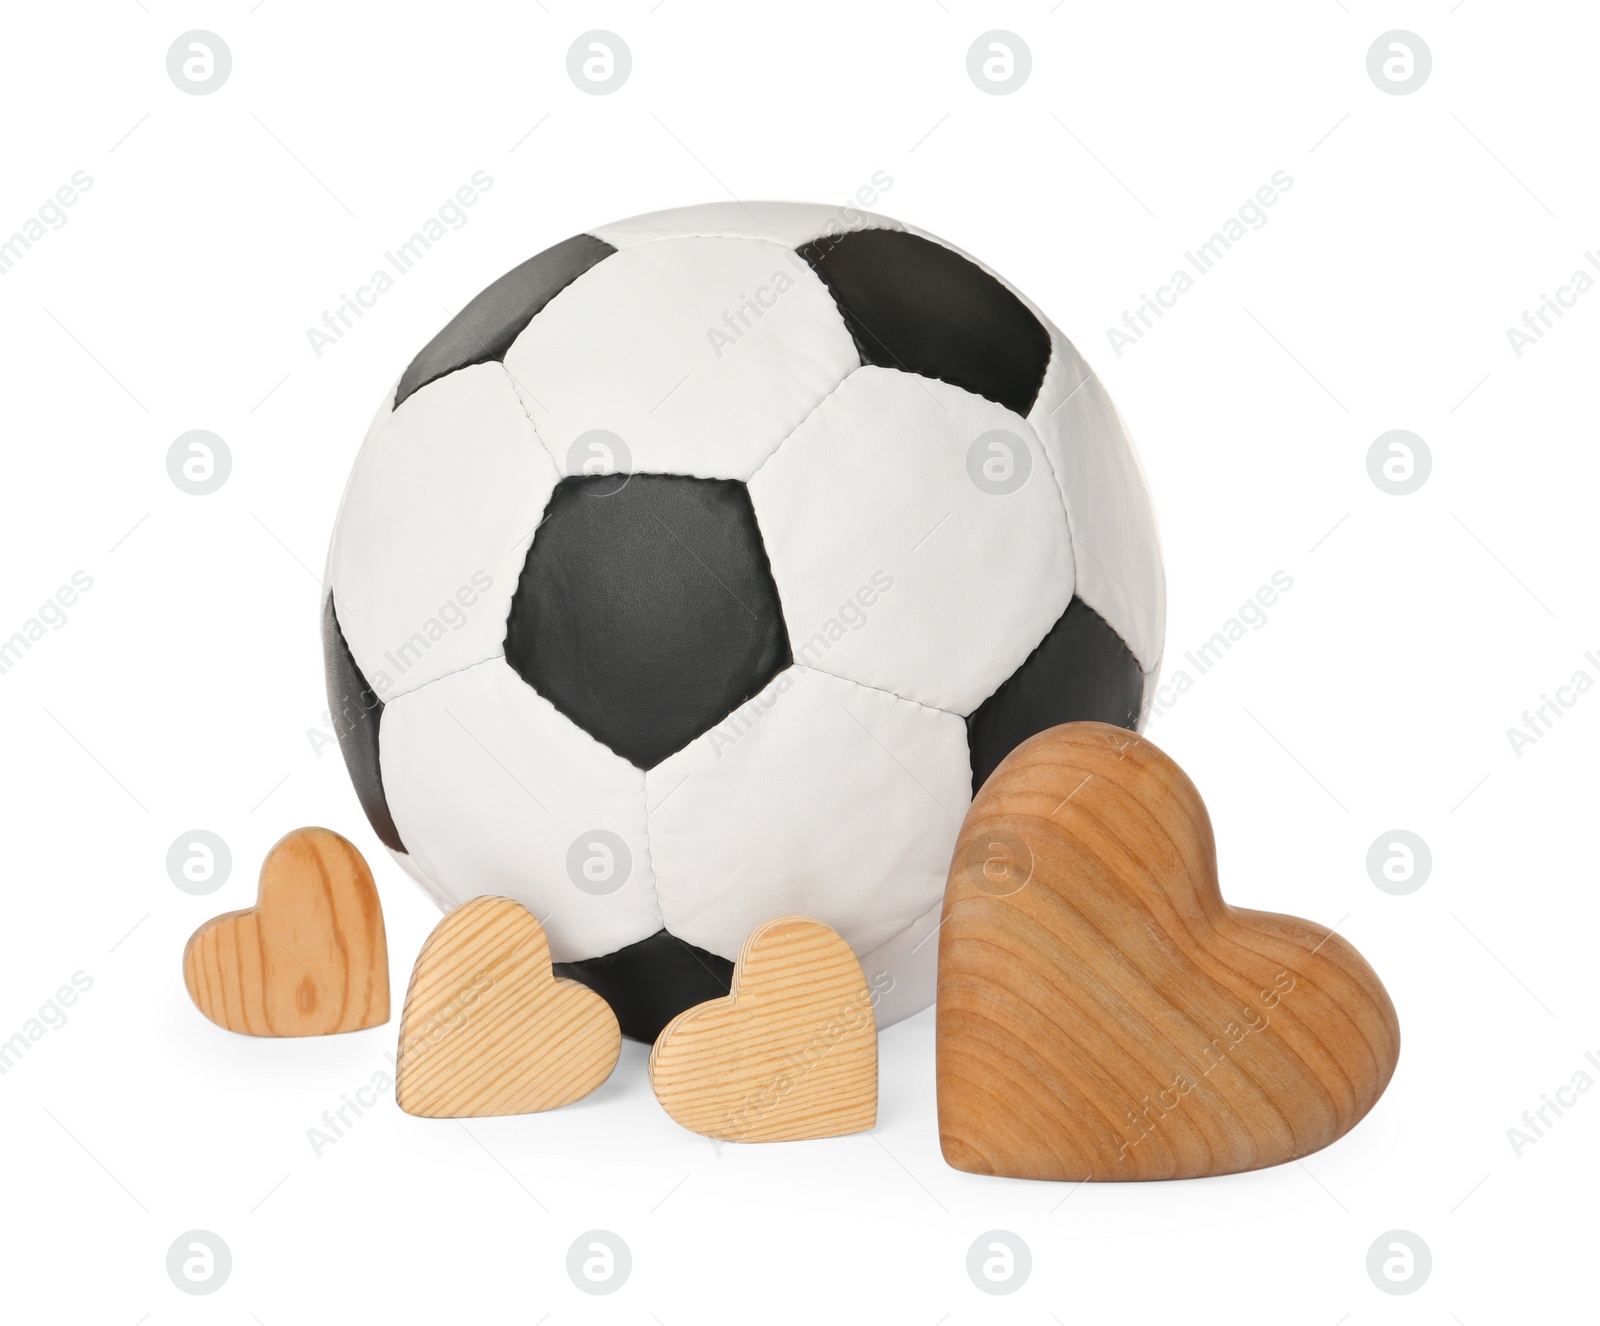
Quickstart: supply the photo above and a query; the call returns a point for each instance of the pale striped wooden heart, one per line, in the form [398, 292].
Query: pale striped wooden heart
[790, 1052]
[488, 1029]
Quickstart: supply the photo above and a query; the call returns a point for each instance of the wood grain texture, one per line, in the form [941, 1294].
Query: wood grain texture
[488, 1029]
[309, 959]
[1104, 1014]
[791, 1052]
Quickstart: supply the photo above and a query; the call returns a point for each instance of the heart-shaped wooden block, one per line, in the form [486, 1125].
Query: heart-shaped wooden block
[1104, 1014]
[791, 1052]
[488, 1029]
[309, 958]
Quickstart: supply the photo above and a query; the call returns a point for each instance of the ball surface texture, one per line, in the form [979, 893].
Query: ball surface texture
[703, 566]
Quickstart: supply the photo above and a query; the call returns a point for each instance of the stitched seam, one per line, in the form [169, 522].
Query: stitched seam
[906, 930]
[1072, 533]
[533, 690]
[649, 849]
[897, 228]
[754, 239]
[826, 396]
[644, 796]
[523, 406]
[880, 690]
[1066, 508]
[465, 667]
[1061, 487]
[832, 391]
[1066, 512]
[747, 239]
[1045, 376]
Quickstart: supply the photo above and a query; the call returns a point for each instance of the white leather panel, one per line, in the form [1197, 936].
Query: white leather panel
[788, 224]
[701, 355]
[819, 797]
[896, 566]
[434, 529]
[1116, 547]
[490, 787]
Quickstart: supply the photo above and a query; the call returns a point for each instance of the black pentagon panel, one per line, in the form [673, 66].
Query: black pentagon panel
[646, 611]
[649, 983]
[356, 711]
[484, 329]
[1081, 671]
[915, 305]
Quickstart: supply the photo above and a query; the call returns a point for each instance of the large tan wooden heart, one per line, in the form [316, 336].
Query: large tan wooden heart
[309, 958]
[1104, 1014]
[488, 1029]
[791, 1052]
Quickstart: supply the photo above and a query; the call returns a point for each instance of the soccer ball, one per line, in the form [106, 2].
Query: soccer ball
[704, 565]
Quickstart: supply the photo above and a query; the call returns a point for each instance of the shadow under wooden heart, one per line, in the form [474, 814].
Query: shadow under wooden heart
[1104, 1014]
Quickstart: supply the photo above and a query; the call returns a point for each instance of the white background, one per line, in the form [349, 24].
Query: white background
[182, 688]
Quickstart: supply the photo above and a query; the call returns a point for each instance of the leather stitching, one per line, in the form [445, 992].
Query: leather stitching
[662, 239]
[523, 405]
[882, 690]
[465, 667]
[897, 228]
[649, 849]
[1066, 504]
[644, 799]
[777, 446]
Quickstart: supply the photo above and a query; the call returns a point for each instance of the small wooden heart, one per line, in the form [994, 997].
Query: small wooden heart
[488, 1029]
[1104, 1014]
[791, 1052]
[309, 958]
